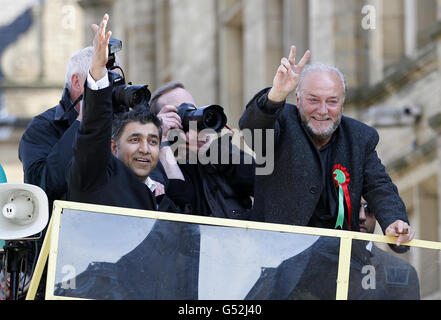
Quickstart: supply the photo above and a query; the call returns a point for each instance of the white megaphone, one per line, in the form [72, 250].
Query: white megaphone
[24, 210]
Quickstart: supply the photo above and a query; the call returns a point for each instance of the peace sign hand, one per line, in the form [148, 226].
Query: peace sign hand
[287, 76]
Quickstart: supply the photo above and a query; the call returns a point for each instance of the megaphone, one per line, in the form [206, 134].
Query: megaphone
[24, 210]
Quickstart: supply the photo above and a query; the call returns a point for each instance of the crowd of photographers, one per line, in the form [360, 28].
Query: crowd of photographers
[65, 150]
[111, 143]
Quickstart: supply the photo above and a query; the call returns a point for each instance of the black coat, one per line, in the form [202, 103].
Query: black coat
[290, 194]
[221, 190]
[46, 148]
[96, 176]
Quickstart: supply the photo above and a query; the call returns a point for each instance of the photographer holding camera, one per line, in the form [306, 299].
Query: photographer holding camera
[115, 150]
[45, 148]
[220, 187]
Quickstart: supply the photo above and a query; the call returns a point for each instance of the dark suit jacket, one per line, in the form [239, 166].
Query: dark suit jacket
[96, 176]
[220, 189]
[290, 194]
[46, 148]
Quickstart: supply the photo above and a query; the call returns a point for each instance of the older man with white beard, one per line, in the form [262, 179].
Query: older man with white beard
[324, 162]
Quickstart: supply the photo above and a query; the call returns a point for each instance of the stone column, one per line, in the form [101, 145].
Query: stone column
[274, 20]
[435, 124]
[162, 42]
[374, 35]
[61, 35]
[264, 32]
[410, 27]
[435, 120]
[135, 21]
[438, 35]
[255, 74]
[336, 38]
[322, 36]
[193, 47]
[295, 25]
[94, 11]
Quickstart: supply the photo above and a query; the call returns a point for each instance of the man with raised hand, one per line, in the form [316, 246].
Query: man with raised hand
[113, 158]
[324, 161]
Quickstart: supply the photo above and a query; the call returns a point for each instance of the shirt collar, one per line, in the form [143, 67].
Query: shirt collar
[151, 184]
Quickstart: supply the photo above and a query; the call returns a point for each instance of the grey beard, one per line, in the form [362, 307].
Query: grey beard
[324, 135]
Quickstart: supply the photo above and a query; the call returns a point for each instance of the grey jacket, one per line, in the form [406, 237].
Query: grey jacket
[290, 194]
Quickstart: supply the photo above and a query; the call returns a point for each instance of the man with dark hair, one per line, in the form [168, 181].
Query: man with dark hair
[112, 162]
[141, 115]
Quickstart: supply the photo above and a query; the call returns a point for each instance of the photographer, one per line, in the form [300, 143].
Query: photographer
[217, 188]
[112, 159]
[46, 146]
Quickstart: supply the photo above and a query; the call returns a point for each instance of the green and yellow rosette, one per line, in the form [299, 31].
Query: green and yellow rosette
[341, 179]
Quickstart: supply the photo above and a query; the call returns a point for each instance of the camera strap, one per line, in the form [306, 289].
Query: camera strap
[228, 128]
[72, 106]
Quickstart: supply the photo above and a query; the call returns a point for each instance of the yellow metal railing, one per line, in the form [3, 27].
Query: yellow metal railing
[49, 248]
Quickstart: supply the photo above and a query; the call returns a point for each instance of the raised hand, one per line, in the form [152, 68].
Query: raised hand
[287, 76]
[101, 53]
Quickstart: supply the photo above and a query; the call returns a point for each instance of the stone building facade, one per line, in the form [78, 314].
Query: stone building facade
[37, 39]
[225, 51]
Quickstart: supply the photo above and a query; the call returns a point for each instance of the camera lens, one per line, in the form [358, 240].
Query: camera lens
[208, 117]
[211, 119]
[131, 96]
[137, 97]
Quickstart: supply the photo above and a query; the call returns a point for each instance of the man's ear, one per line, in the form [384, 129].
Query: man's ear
[113, 147]
[75, 82]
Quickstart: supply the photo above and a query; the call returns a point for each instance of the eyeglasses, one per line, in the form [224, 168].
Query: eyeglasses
[366, 208]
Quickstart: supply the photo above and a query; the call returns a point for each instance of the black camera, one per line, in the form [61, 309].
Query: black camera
[208, 117]
[124, 96]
